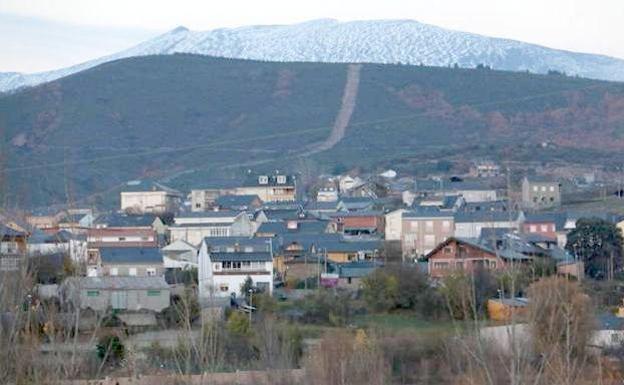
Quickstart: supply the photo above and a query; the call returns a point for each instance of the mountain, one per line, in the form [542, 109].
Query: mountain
[378, 41]
[187, 119]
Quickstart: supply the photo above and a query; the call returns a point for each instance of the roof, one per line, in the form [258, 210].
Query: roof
[284, 214]
[348, 246]
[6, 231]
[426, 212]
[210, 214]
[486, 216]
[118, 282]
[283, 205]
[237, 200]
[358, 269]
[308, 227]
[119, 231]
[364, 213]
[125, 220]
[146, 186]
[240, 257]
[608, 321]
[179, 245]
[514, 302]
[327, 206]
[130, 255]
[540, 179]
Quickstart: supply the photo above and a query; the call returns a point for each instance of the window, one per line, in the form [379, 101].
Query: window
[544, 228]
[459, 265]
[93, 293]
[535, 188]
[414, 225]
[153, 293]
[430, 240]
[151, 272]
[448, 250]
[198, 205]
[440, 265]
[543, 188]
[114, 271]
[223, 288]
[492, 264]
[552, 188]
[132, 271]
[121, 239]
[446, 225]
[429, 225]
[533, 229]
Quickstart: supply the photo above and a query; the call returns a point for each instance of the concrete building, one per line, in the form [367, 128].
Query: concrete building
[194, 227]
[423, 230]
[270, 188]
[540, 193]
[149, 197]
[126, 261]
[327, 194]
[117, 293]
[222, 273]
[470, 224]
[394, 225]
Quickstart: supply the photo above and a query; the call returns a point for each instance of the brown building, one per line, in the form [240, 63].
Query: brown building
[422, 231]
[456, 254]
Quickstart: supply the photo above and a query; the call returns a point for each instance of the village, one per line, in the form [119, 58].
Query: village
[166, 262]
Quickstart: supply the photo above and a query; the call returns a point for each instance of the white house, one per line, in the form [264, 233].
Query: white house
[327, 194]
[469, 225]
[222, 273]
[179, 255]
[149, 197]
[193, 227]
[394, 225]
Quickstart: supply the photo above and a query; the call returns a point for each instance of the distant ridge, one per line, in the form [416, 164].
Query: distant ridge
[375, 41]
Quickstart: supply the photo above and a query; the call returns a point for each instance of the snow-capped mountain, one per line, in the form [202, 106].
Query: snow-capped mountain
[376, 41]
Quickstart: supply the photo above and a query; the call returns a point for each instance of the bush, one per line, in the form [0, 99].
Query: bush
[327, 307]
[110, 349]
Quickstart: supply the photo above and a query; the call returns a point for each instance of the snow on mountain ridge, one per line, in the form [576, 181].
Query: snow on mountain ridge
[376, 41]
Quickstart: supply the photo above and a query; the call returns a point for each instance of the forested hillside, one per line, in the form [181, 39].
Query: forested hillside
[184, 118]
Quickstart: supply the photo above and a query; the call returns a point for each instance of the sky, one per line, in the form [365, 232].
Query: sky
[40, 35]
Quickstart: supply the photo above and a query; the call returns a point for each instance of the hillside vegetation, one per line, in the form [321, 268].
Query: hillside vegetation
[186, 118]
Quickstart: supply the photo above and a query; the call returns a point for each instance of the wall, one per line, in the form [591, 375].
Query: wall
[394, 225]
[136, 300]
[421, 235]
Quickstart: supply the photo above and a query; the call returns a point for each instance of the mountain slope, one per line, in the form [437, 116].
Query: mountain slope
[189, 118]
[378, 41]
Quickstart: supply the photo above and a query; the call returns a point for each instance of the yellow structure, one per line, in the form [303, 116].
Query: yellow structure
[502, 309]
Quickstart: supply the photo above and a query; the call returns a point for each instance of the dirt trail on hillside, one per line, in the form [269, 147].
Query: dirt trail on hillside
[343, 118]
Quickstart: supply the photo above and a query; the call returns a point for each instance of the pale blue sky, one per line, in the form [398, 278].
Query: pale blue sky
[38, 35]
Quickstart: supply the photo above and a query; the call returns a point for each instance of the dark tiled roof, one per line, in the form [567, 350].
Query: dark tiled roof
[130, 255]
[236, 201]
[125, 220]
[210, 214]
[426, 212]
[486, 216]
[255, 243]
[303, 227]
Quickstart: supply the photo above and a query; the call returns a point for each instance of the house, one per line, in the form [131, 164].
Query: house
[130, 221]
[347, 183]
[179, 255]
[320, 209]
[126, 261]
[295, 254]
[117, 293]
[351, 274]
[270, 188]
[394, 225]
[195, 226]
[546, 224]
[238, 202]
[341, 250]
[121, 237]
[358, 222]
[63, 241]
[149, 197]
[13, 240]
[423, 229]
[77, 221]
[222, 273]
[486, 169]
[540, 193]
[471, 191]
[203, 199]
[327, 194]
[45, 220]
[470, 224]
[455, 254]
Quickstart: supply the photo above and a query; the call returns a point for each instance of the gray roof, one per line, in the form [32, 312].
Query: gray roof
[357, 269]
[236, 201]
[486, 216]
[115, 283]
[131, 255]
[6, 231]
[426, 212]
[303, 227]
[348, 246]
[147, 185]
[211, 214]
[125, 220]
[241, 257]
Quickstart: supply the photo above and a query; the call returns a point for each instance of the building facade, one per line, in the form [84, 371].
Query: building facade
[422, 231]
[540, 193]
